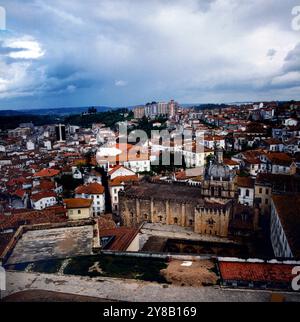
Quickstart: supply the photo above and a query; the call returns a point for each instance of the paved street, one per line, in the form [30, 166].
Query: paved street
[131, 290]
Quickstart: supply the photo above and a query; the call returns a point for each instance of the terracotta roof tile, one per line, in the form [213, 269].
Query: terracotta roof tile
[78, 203]
[122, 237]
[32, 217]
[90, 189]
[44, 194]
[256, 272]
[47, 173]
[119, 181]
[245, 182]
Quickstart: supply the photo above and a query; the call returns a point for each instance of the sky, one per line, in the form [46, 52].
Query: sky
[67, 53]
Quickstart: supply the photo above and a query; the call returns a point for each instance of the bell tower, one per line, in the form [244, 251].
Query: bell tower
[219, 155]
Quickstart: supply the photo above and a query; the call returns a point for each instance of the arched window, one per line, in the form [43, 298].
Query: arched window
[175, 221]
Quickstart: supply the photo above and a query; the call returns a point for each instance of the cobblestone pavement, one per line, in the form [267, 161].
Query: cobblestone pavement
[132, 290]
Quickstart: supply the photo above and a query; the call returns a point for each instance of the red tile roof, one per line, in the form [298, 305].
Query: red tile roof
[105, 223]
[119, 181]
[116, 168]
[279, 158]
[78, 203]
[45, 194]
[123, 237]
[272, 141]
[231, 162]
[256, 272]
[245, 182]
[47, 173]
[90, 189]
[32, 217]
[46, 185]
[20, 193]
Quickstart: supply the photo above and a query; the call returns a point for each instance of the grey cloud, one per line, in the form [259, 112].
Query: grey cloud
[271, 53]
[190, 50]
[292, 60]
[6, 50]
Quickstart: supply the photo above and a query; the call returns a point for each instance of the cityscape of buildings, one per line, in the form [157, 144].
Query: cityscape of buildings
[234, 199]
[149, 155]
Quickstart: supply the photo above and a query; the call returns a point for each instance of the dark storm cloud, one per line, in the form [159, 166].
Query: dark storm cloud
[125, 52]
[292, 60]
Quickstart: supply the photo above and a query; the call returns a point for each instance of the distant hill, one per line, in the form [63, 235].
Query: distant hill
[63, 110]
[52, 111]
[10, 113]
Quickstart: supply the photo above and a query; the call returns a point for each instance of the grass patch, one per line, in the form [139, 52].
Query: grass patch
[144, 269]
[118, 266]
[48, 267]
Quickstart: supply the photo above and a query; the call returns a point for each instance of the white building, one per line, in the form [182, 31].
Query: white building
[120, 171]
[93, 177]
[116, 185]
[96, 192]
[125, 155]
[290, 122]
[76, 173]
[285, 225]
[211, 141]
[48, 145]
[30, 146]
[194, 159]
[43, 200]
[138, 165]
[246, 191]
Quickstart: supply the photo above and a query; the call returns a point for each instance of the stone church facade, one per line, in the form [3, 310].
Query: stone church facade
[206, 209]
[174, 205]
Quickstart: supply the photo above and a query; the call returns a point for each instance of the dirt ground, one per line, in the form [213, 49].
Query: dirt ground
[196, 273]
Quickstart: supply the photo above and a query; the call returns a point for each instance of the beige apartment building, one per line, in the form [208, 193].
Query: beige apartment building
[79, 208]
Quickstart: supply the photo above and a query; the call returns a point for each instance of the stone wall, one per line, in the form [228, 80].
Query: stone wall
[203, 220]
